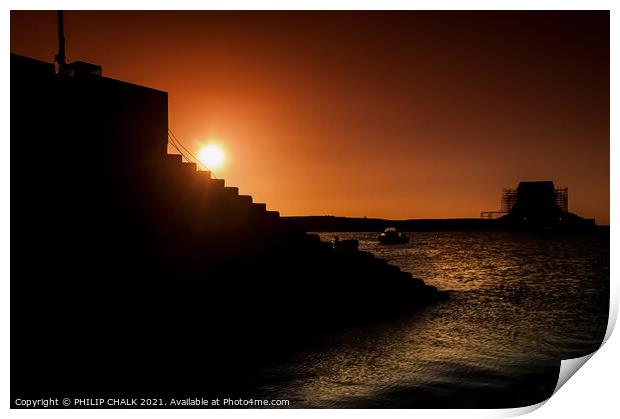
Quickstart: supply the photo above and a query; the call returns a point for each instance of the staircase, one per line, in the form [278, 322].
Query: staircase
[218, 196]
[248, 221]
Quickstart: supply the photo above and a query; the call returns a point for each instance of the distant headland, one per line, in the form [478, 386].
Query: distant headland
[534, 206]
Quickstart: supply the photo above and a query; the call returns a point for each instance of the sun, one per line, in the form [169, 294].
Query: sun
[211, 156]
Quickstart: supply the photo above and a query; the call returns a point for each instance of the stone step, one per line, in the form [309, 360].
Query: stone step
[381, 261]
[204, 173]
[245, 199]
[232, 191]
[174, 158]
[273, 214]
[260, 206]
[219, 183]
[189, 166]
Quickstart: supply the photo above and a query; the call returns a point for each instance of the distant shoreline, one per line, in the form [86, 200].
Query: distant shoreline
[327, 223]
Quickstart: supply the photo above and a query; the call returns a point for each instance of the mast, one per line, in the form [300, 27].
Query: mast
[60, 58]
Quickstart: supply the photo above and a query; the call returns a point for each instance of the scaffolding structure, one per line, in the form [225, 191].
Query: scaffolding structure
[509, 199]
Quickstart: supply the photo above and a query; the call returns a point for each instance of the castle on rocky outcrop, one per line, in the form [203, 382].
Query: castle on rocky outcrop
[131, 269]
[537, 205]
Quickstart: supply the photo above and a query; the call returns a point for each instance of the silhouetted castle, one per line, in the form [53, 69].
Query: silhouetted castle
[528, 192]
[133, 270]
[539, 205]
[536, 205]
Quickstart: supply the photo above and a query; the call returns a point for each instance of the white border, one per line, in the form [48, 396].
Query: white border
[592, 393]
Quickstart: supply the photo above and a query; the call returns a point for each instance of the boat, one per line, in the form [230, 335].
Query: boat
[392, 236]
[345, 244]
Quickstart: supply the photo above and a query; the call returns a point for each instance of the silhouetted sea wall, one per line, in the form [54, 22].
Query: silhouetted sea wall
[131, 269]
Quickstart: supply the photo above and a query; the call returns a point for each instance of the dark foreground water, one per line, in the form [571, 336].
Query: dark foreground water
[519, 304]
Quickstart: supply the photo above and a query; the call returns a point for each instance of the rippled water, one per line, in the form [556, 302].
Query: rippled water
[519, 303]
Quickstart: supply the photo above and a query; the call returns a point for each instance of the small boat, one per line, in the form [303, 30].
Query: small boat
[345, 244]
[392, 236]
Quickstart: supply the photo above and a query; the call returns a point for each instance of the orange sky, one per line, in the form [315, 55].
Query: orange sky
[394, 115]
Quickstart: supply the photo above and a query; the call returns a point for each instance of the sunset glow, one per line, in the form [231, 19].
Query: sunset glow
[212, 156]
[391, 115]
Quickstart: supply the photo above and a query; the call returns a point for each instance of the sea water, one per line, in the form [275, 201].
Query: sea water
[519, 303]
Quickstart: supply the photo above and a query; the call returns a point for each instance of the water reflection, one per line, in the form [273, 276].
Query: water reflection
[519, 304]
